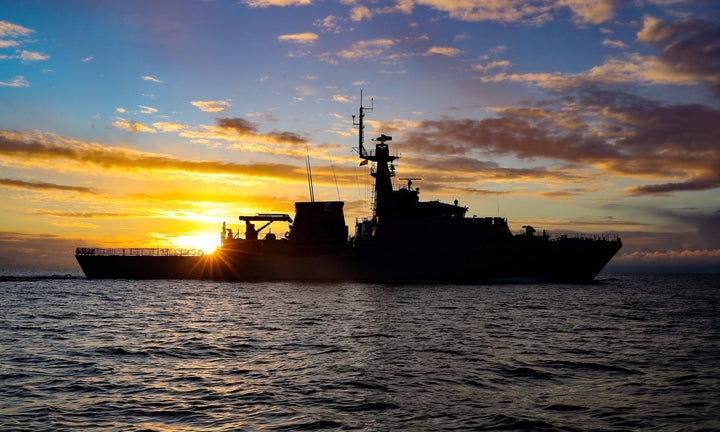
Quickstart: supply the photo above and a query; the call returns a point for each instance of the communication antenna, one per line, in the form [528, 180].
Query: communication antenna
[309, 173]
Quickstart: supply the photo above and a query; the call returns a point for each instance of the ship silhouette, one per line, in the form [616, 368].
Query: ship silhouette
[405, 240]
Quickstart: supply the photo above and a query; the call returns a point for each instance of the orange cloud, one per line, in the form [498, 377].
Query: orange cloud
[131, 126]
[300, 38]
[359, 13]
[590, 11]
[169, 126]
[151, 78]
[446, 51]
[211, 106]
[46, 149]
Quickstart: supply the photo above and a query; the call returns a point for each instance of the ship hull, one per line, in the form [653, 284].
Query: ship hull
[141, 267]
[568, 261]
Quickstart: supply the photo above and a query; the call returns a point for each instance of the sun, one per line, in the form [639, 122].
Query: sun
[201, 241]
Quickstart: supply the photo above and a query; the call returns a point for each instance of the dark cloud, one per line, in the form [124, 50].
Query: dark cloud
[239, 125]
[689, 47]
[21, 184]
[668, 188]
[245, 128]
[610, 131]
[288, 137]
[437, 171]
[709, 231]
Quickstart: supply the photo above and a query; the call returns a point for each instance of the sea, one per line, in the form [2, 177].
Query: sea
[628, 352]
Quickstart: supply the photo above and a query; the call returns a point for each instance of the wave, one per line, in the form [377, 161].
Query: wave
[22, 278]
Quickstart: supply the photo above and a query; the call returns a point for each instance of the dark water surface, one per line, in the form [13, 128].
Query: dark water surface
[628, 353]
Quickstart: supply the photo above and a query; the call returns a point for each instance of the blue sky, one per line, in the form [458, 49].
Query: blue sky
[151, 121]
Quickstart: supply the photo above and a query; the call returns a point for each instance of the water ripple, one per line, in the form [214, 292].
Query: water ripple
[627, 353]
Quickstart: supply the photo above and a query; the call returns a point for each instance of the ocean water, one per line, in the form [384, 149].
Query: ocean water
[626, 353]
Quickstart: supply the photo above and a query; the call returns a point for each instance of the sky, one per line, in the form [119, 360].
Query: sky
[150, 123]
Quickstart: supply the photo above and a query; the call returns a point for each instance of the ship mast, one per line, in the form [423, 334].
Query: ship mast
[361, 126]
[384, 204]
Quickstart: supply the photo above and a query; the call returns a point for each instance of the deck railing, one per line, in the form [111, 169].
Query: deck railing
[138, 252]
[584, 236]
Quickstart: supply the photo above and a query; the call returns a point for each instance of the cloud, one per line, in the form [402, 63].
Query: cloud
[131, 126]
[264, 116]
[614, 44]
[26, 56]
[33, 185]
[446, 51]
[151, 78]
[671, 260]
[359, 13]
[239, 125]
[299, 38]
[634, 68]
[328, 24]
[169, 126]
[591, 11]
[671, 147]
[689, 47]
[689, 54]
[501, 10]
[281, 3]
[440, 171]
[340, 98]
[211, 106]
[8, 29]
[8, 43]
[248, 129]
[584, 12]
[48, 149]
[147, 110]
[492, 65]
[87, 59]
[18, 81]
[367, 49]
[669, 188]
